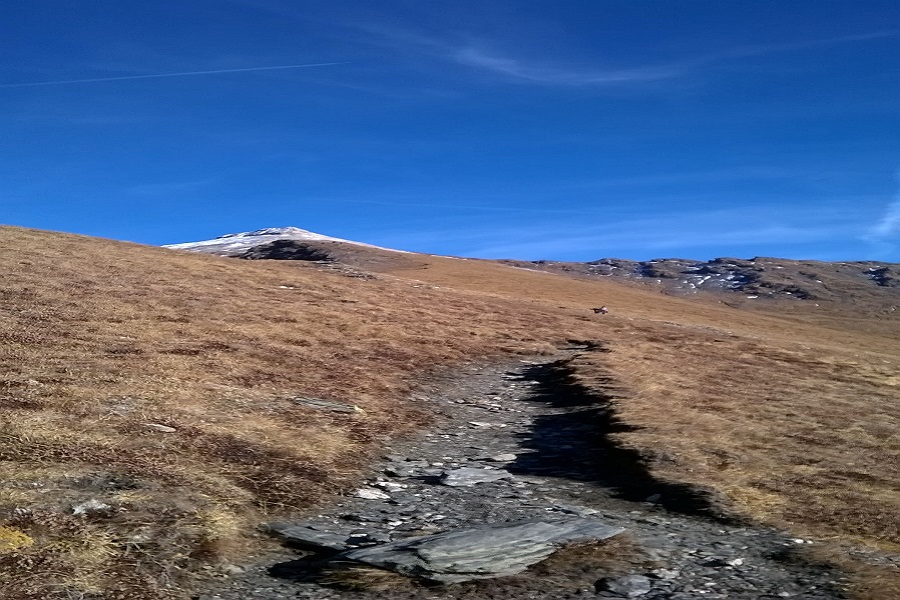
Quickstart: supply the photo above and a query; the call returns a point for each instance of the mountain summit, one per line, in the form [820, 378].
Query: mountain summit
[233, 244]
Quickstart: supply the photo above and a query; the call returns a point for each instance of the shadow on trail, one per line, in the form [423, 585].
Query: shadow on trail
[577, 444]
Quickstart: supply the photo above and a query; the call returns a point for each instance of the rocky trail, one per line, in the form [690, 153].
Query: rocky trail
[519, 446]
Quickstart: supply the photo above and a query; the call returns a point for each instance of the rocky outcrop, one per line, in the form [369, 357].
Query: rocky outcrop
[307, 537]
[483, 552]
[759, 277]
[888, 276]
[285, 250]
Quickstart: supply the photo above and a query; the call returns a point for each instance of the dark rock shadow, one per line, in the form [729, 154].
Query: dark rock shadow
[310, 567]
[350, 578]
[307, 569]
[576, 444]
[286, 250]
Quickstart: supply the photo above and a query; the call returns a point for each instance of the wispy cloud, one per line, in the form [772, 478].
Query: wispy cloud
[557, 75]
[778, 48]
[888, 226]
[744, 230]
[472, 53]
[456, 45]
[160, 75]
[656, 238]
[477, 54]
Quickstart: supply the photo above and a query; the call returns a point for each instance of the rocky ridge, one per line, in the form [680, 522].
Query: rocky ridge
[759, 277]
[871, 285]
[517, 444]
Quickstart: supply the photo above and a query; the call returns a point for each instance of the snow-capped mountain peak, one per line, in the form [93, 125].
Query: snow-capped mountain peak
[235, 243]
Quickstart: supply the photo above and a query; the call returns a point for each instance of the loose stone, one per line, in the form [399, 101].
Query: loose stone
[630, 586]
[371, 494]
[304, 536]
[467, 476]
[554, 471]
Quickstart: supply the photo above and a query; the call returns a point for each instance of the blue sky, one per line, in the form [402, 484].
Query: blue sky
[555, 129]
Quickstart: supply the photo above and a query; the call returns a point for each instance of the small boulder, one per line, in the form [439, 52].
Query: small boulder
[401, 471]
[307, 537]
[466, 476]
[91, 507]
[371, 494]
[480, 553]
[629, 586]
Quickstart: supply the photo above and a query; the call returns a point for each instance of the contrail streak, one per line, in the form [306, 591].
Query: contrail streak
[184, 74]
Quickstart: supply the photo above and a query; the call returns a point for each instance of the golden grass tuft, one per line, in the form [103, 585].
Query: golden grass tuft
[12, 540]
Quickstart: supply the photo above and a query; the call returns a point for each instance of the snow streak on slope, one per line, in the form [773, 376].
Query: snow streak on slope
[236, 243]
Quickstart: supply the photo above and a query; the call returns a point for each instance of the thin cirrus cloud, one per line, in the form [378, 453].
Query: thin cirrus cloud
[474, 55]
[888, 226]
[161, 75]
[734, 230]
[517, 69]
[650, 237]
[525, 71]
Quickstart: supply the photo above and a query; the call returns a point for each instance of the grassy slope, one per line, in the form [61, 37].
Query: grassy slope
[792, 419]
[100, 338]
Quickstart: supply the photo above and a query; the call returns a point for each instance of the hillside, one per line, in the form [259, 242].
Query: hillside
[754, 278]
[168, 386]
[852, 290]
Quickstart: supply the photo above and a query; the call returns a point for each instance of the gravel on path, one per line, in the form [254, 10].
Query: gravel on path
[544, 454]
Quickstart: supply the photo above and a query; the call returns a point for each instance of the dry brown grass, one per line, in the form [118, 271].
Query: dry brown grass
[793, 419]
[802, 438]
[356, 576]
[102, 342]
[807, 440]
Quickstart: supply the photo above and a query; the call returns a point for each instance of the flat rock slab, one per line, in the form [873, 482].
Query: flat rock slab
[307, 537]
[470, 476]
[483, 552]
